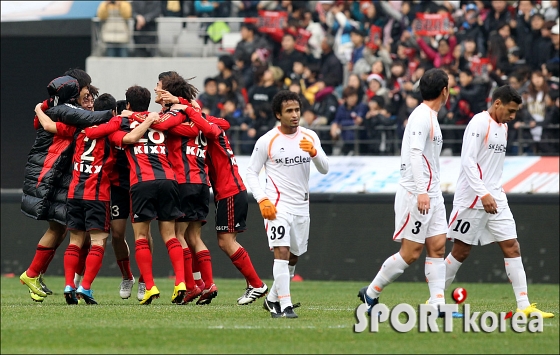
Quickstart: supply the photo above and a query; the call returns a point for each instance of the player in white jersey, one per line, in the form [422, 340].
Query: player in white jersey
[420, 217]
[480, 208]
[286, 153]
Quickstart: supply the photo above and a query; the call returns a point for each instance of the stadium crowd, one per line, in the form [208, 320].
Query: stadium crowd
[356, 65]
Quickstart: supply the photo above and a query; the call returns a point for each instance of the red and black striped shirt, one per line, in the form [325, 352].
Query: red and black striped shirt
[91, 163]
[148, 157]
[120, 174]
[222, 166]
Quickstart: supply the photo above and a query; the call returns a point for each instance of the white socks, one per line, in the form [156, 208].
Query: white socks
[451, 268]
[516, 274]
[281, 286]
[391, 269]
[292, 269]
[434, 269]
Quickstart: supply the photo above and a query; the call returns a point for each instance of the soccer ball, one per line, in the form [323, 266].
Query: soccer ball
[459, 295]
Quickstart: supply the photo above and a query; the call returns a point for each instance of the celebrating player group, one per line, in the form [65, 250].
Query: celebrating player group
[96, 162]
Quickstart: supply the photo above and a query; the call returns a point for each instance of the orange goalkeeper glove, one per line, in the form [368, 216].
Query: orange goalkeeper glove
[268, 210]
[307, 146]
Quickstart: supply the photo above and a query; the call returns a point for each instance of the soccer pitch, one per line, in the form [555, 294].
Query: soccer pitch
[325, 324]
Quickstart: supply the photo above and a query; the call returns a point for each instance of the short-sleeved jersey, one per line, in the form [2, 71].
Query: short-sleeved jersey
[222, 168]
[287, 169]
[482, 162]
[120, 174]
[91, 164]
[422, 132]
[187, 148]
[148, 157]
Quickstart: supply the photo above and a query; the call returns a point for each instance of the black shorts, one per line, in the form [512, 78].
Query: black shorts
[231, 213]
[85, 215]
[120, 202]
[195, 199]
[155, 199]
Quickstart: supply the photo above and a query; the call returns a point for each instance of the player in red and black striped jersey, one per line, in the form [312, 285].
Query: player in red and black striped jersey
[154, 191]
[230, 197]
[120, 210]
[187, 152]
[88, 201]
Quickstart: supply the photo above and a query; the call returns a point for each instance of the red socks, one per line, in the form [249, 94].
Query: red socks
[242, 262]
[83, 255]
[204, 262]
[93, 264]
[71, 260]
[48, 262]
[175, 252]
[124, 265]
[43, 256]
[144, 260]
[189, 278]
[196, 273]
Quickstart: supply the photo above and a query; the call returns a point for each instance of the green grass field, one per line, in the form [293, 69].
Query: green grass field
[325, 324]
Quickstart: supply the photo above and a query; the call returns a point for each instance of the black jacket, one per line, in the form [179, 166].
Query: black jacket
[49, 163]
[331, 72]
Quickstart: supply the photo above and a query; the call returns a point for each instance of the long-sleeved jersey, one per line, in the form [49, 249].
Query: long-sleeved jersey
[287, 169]
[421, 147]
[482, 162]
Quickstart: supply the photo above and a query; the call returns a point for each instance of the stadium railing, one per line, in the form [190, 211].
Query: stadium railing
[176, 37]
[391, 141]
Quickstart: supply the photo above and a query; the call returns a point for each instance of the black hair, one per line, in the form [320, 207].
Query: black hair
[249, 26]
[506, 94]
[209, 79]
[432, 83]
[467, 71]
[165, 74]
[138, 97]
[227, 81]
[105, 102]
[289, 34]
[121, 105]
[178, 86]
[281, 97]
[227, 60]
[553, 68]
[83, 78]
[231, 98]
[93, 90]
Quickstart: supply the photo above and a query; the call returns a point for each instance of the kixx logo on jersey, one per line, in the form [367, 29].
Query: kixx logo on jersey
[86, 168]
[152, 149]
[425, 320]
[195, 151]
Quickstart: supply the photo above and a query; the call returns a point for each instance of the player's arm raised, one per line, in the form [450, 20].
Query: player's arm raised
[138, 132]
[473, 142]
[104, 129]
[48, 124]
[316, 152]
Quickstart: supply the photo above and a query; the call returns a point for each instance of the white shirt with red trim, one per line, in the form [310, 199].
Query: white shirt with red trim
[287, 169]
[482, 162]
[421, 147]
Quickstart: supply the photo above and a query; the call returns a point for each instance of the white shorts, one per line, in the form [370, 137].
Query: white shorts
[474, 226]
[411, 224]
[288, 230]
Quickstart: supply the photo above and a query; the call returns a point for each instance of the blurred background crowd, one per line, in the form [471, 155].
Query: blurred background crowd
[356, 64]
